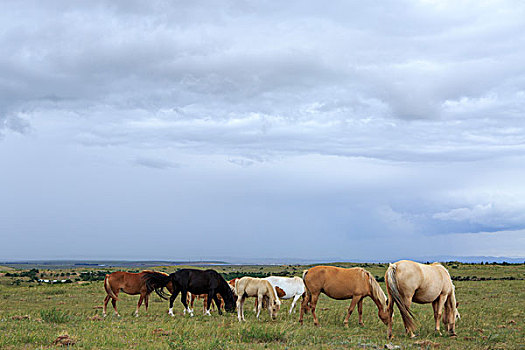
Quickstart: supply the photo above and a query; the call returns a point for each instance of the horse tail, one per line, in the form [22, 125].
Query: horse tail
[377, 292]
[156, 281]
[392, 287]
[307, 295]
[108, 289]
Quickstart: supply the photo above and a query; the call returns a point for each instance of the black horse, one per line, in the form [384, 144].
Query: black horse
[194, 281]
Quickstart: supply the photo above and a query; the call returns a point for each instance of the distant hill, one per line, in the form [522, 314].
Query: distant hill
[65, 264]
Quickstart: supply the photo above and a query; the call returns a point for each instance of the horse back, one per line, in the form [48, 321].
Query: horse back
[197, 281]
[337, 282]
[424, 282]
[128, 282]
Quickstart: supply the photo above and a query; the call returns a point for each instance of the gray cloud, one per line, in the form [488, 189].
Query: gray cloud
[155, 163]
[403, 119]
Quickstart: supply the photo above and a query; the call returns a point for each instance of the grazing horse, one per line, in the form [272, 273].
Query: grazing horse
[195, 281]
[339, 283]
[409, 281]
[129, 283]
[287, 288]
[259, 288]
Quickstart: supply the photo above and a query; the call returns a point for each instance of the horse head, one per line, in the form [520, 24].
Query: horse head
[229, 300]
[273, 307]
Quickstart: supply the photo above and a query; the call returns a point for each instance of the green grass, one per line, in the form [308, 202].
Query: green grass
[492, 315]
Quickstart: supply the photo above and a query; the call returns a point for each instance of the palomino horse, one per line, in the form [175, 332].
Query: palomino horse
[129, 283]
[339, 283]
[409, 281]
[195, 281]
[259, 288]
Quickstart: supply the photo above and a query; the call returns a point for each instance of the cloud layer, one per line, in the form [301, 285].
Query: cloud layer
[353, 120]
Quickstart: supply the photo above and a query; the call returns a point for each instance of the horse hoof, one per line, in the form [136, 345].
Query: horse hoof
[346, 325]
[453, 335]
[361, 324]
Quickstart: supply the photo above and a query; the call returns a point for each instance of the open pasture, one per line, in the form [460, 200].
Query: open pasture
[33, 315]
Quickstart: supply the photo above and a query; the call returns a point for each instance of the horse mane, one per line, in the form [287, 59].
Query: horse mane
[151, 271]
[377, 292]
[274, 294]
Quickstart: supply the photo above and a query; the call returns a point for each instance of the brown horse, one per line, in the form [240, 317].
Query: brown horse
[409, 281]
[129, 283]
[341, 284]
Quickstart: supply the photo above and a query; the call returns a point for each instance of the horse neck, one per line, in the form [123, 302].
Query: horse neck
[223, 288]
[273, 293]
[376, 293]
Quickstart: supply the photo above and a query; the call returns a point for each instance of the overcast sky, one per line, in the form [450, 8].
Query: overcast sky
[262, 129]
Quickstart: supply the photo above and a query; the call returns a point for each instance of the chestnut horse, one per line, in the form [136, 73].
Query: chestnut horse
[339, 283]
[409, 281]
[259, 288]
[129, 283]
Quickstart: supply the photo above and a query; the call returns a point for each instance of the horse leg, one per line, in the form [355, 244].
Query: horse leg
[207, 304]
[146, 299]
[360, 311]
[304, 306]
[172, 299]
[106, 301]
[192, 300]
[183, 297]
[451, 326]
[295, 298]
[259, 304]
[355, 299]
[313, 304]
[138, 305]
[217, 302]
[114, 303]
[437, 305]
[407, 301]
[390, 310]
[240, 309]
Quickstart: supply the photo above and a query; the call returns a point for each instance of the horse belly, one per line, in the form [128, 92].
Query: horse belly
[338, 294]
[425, 296]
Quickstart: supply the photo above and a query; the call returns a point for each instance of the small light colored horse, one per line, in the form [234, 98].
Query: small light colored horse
[409, 281]
[293, 287]
[339, 283]
[259, 288]
[129, 283]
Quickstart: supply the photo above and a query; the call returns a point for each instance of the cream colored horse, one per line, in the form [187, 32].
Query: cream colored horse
[409, 281]
[259, 288]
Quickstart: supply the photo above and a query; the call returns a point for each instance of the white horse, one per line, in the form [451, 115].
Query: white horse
[293, 287]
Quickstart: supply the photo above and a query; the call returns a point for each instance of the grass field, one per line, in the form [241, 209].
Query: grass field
[33, 315]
